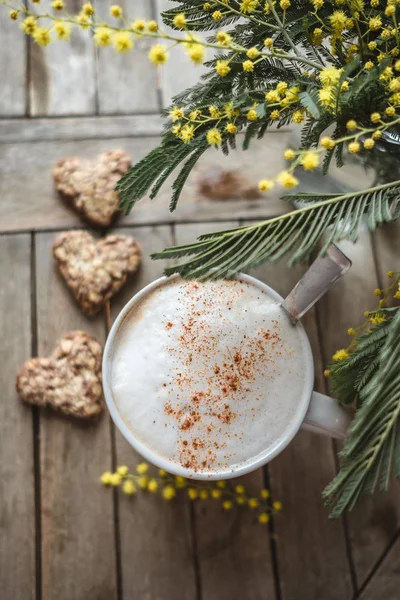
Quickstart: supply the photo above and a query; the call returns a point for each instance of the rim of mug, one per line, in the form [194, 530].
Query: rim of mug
[168, 465]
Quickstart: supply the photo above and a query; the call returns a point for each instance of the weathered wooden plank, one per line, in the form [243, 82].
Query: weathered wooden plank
[179, 73]
[127, 82]
[83, 128]
[233, 548]
[17, 503]
[13, 53]
[311, 549]
[386, 581]
[78, 549]
[29, 201]
[63, 74]
[156, 538]
[79, 128]
[374, 520]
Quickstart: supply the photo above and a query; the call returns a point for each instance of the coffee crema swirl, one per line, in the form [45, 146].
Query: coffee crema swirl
[208, 375]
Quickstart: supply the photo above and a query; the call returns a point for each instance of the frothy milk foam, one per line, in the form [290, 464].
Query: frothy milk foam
[208, 375]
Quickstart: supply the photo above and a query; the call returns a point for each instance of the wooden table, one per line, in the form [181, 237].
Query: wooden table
[62, 535]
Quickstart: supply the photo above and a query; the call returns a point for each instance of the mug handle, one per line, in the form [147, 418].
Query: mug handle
[326, 417]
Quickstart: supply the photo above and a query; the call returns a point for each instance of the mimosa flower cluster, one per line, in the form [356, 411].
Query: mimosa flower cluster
[169, 487]
[382, 314]
[339, 64]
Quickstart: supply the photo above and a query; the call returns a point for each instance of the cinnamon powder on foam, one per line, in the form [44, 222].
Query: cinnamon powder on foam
[232, 373]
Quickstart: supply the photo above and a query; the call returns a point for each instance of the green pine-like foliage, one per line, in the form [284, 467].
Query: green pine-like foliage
[244, 89]
[371, 454]
[327, 218]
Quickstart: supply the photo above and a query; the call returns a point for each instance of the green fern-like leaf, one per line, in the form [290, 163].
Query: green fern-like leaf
[309, 100]
[371, 454]
[297, 234]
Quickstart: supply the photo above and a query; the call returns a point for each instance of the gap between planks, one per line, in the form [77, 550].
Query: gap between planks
[74, 128]
[133, 226]
[36, 430]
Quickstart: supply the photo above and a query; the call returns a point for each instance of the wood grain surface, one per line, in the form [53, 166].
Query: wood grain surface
[17, 498]
[127, 83]
[13, 67]
[62, 74]
[29, 201]
[77, 520]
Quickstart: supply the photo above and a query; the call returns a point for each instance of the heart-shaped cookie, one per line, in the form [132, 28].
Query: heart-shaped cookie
[95, 270]
[69, 381]
[89, 185]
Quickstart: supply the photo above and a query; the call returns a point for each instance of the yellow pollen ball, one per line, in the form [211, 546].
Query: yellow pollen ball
[168, 492]
[287, 180]
[263, 518]
[328, 143]
[351, 124]
[340, 355]
[152, 486]
[231, 128]
[222, 68]
[253, 53]
[63, 30]
[214, 137]
[102, 36]
[139, 25]
[196, 53]
[142, 468]
[252, 115]
[116, 11]
[289, 154]
[41, 36]
[123, 470]
[87, 9]
[115, 479]
[354, 147]
[375, 23]
[310, 160]
[158, 54]
[248, 66]
[152, 26]
[298, 116]
[106, 478]
[369, 143]
[265, 185]
[180, 20]
[122, 41]
[128, 487]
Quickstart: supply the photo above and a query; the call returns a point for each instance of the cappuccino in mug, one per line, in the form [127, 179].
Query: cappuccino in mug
[209, 375]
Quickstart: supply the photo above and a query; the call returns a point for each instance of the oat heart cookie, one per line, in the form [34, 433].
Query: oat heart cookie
[69, 381]
[88, 185]
[95, 270]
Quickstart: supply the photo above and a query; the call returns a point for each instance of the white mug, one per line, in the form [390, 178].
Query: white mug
[317, 412]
